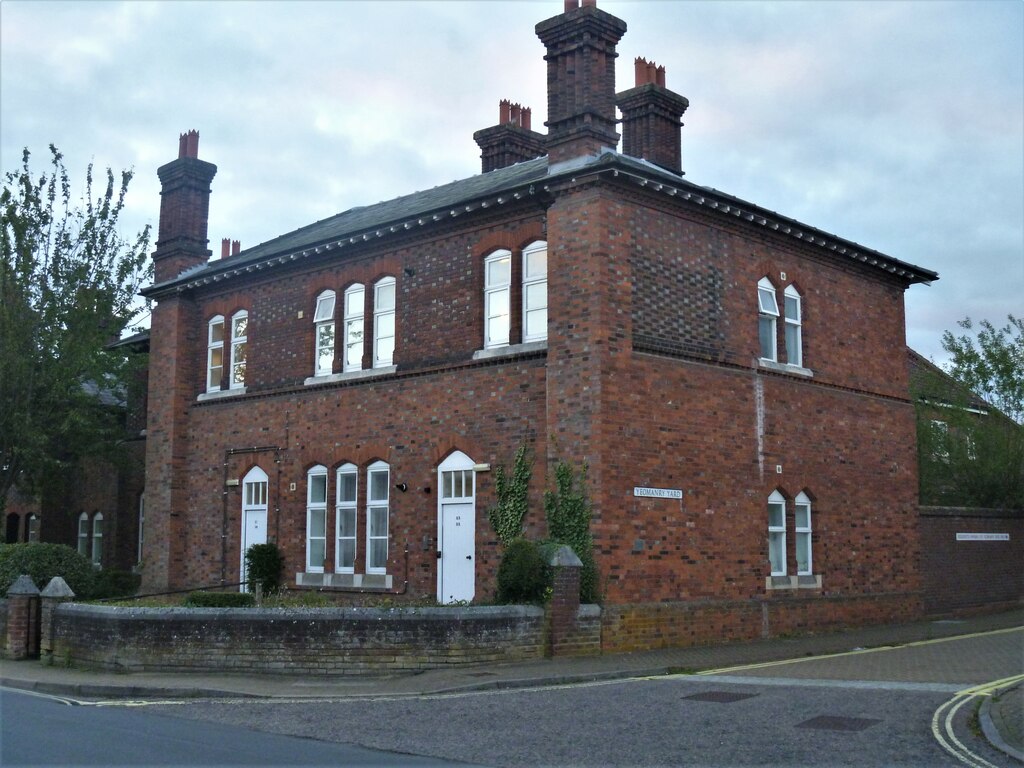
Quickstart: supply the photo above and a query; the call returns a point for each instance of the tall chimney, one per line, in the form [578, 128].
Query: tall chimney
[511, 140]
[184, 211]
[581, 80]
[650, 118]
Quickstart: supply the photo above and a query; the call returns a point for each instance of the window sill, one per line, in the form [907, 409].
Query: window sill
[793, 582]
[365, 373]
[217, 394]
[510, 350]
[794, 370]
[344, 580]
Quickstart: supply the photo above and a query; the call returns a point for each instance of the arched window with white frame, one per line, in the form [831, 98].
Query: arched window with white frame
[355, 305]
[498, 298]
[316, 519]
[777, 533]
[383, 322]
[768, 314]
[83, 535]
[97, 539]
[346, 490]
[239, 344]
[794, 325]
[535, 291]
[378, 486]
[215, 353]
[323, 330]
[802, 528]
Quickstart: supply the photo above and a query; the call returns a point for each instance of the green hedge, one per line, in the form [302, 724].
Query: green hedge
[263, 563]
[44, 561]
[523, 574]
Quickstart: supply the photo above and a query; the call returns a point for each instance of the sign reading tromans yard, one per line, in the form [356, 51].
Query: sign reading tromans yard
[983, 537]
[658, 493]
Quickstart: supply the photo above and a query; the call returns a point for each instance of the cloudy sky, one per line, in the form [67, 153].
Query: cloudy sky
[899, 125]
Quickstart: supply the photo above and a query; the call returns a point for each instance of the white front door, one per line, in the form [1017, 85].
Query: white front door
[456, 565]
[254, 515]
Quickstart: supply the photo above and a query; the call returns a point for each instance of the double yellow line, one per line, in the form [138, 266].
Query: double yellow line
[942, 721]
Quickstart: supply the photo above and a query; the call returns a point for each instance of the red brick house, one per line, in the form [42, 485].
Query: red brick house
[735, 379]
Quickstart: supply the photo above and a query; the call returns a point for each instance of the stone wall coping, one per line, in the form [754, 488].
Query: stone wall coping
[57, 588]
[420, 613]
[23, 585]
[977, 512]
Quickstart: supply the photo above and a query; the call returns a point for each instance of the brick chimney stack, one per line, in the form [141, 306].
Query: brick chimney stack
[511, 141]
[581, 80]
[650, 118]
[184, 211]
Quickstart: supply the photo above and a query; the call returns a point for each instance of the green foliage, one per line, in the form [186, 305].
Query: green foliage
[568, 513]
[263, 563]
[991, 366]
[970, 440]
[68, 285]
[220, 600]
[44, 561]
[507, 516]
[112, 583]
[523, 574]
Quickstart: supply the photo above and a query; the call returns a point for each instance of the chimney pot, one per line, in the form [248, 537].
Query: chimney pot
[236, 247]
[503, 111]
[225, 245]
[591, 3]
[526, 118]
[660, 76]
[571, 5]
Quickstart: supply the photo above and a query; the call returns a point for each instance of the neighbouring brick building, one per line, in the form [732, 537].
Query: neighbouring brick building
[734, 379]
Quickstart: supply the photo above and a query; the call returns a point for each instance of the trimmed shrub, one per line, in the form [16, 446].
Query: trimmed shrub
[263, 563]
[112, 583]
[523, 574]
[220, 600]
[44, 561]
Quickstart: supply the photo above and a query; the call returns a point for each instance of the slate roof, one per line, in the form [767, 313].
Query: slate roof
[502, 185]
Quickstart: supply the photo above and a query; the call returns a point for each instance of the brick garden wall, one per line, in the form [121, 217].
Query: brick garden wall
[971, 576]
[342, 641]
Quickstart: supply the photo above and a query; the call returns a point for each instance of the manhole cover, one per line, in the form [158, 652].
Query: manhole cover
[834, 723]
[721, 697]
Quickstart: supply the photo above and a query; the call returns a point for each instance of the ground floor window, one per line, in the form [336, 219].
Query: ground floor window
[378, 478]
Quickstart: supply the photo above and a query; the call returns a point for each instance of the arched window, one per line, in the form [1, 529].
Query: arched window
[378, 485]
[316, 519]
[768, 313]
[33, 527]
[497, 298]
[355, 296]
[777, 533]
[215, 353]
[804, 565]
[83, 535]
[383, 322]
[794, 340]
[323, 329]
[346, 490]
[97, 539]
[535, 291]
[239, 341]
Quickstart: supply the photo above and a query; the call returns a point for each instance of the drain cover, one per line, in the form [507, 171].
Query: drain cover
[481, 674]
[721, 697]
[834, 723]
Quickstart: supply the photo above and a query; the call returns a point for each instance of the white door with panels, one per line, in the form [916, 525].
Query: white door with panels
[456, 558]
[254, 515]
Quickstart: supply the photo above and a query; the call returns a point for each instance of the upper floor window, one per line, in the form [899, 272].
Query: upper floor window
[768, 313]
[316, 519]
[378, 483]
[803, 535]
[354, 307]
[794, 341]
[535, 291]
[323, 324]
[777, 533]
[383, 322]
[345, 521]
[497, 298]
[239, 338]
[215, 354]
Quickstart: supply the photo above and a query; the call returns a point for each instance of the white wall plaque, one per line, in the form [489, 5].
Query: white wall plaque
[983, 537]
[658, 493]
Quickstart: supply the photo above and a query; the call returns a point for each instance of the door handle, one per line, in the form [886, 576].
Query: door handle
[439, 554]
[469, 557]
